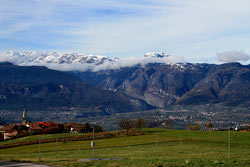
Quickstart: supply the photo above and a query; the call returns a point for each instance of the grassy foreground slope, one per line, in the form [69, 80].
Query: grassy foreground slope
[174, 148]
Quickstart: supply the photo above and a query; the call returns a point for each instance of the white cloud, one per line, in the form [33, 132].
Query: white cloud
[233, 56]
[132, 61]
[50, 60]
[128, 28]
[168, 28]
[121, 63]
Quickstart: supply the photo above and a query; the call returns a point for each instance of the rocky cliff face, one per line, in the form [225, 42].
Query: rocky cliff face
[161, 84]
[227, 83]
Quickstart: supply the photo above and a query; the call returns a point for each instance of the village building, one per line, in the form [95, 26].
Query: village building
[25, 128]
[35, 129]
[8, 131]
[24, 122]
[48, 127]
[13, 130]
[73, 127]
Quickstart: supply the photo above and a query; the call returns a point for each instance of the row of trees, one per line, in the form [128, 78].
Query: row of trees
[197, 126]
[129, 124]
[140, 123]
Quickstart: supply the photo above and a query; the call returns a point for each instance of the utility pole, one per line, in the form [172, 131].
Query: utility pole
[56, 145]
[181, 143]
[157, 134]
[68, 123]
[39, 148]
[93, 143]
[229, 142]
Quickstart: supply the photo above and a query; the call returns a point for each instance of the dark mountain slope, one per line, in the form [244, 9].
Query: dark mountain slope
[161, 85]
[41, 88]
[157, 84]
[227, 83]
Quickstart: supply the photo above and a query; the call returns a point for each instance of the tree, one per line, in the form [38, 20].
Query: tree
[126, 124]
[86, 128]
[140, 123]
[209, 125]
[167, 123]
[98, 128]
[194, 127]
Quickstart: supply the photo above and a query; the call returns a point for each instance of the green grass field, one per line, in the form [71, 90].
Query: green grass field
[41, 137]
[174, 148]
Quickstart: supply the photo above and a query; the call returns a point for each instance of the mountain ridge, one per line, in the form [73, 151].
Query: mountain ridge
[154, 79]
[34, 87]
[162, 85]
[81, 62]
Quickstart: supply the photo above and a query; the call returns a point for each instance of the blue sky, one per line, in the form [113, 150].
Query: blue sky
[196, 30]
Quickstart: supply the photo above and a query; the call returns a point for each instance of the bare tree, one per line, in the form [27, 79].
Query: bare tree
[98, 128]
[167, 123]
[86, 128]
[126, 124]
[197, 125]
[209, 125]
[194, 127]
[140, 123]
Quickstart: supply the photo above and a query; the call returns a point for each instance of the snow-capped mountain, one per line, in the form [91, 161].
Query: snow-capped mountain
[82, 62]
[156, 55]
[29, 58]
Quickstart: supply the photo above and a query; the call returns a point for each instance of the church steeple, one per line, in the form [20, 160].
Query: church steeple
[24, 118]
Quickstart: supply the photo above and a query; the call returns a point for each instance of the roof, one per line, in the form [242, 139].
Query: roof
[46, 123]
[73, 124]
[9, 127]
[36, 127]
[10, 131]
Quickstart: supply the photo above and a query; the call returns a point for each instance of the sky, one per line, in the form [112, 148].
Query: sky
[199, 31]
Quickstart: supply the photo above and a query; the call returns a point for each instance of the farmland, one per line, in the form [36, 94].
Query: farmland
[159, 147]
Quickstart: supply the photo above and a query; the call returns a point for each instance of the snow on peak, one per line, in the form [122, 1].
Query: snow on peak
[156, 55]
[82, 62]
[28, 58]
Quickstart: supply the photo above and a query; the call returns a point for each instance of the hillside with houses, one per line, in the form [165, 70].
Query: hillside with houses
[26, 128]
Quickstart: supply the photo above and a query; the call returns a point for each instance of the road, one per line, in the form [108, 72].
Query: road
[20, 164]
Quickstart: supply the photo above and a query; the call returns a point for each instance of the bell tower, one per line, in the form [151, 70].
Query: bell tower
[24, 122]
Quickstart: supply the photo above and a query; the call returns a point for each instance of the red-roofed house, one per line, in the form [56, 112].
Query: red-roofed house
[35, 129]
[46, 124]
[9, 131]
[48, 127]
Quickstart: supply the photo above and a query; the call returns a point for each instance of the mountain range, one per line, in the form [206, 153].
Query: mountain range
[162, 85]
[35, 87]
[41, 57]
[157, 82]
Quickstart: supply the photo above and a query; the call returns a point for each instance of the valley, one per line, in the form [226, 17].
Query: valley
[152, 89]
[221, 117]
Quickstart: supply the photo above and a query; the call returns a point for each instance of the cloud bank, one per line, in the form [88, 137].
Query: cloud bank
[132, 61]
[232, 56]
[121, 63]
[80, 62]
